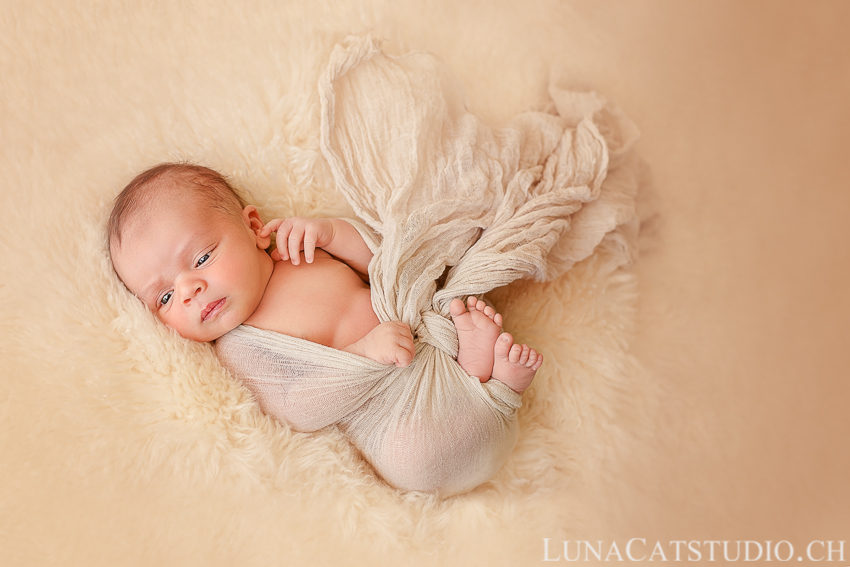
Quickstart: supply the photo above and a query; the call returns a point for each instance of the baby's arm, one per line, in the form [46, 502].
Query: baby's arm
[334, 236]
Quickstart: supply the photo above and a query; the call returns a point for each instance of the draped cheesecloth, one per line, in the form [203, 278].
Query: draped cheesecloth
[434, 188]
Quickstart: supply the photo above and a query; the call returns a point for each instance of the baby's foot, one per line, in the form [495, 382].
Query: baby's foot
[477, 330]
[515, 365]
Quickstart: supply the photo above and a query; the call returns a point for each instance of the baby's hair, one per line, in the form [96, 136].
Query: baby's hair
[208, 184]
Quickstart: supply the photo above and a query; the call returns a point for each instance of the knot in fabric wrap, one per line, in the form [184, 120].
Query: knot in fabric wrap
[437, 192]
[439, 332]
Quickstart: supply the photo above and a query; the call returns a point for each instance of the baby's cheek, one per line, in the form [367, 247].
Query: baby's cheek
[172, 322]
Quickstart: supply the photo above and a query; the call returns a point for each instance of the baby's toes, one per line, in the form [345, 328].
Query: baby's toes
[497, 318]
[515, 353]
[503, 345]
[523, 358]
[489, 311]
[538, 363]
[532, 358]
[456, 308]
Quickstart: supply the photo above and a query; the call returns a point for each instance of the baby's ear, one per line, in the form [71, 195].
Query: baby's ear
[254, 221]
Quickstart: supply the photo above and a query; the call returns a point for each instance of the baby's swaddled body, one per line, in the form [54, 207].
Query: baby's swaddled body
[437, 192]
[419, 427]
[425, 445]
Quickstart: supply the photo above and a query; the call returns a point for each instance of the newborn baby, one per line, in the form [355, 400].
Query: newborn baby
[185, 244]
[424, 386]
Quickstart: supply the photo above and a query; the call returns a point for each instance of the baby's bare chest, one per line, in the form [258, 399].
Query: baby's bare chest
[324, 302]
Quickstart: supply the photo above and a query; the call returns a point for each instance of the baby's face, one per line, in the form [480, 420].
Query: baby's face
[199, 271]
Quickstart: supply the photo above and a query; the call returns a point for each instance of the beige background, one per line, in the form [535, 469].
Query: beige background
[746, 132]
[743, 311]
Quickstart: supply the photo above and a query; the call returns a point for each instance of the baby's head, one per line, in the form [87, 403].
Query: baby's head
[183, 242]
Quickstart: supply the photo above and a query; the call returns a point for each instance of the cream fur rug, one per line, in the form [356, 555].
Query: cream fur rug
[123, 445]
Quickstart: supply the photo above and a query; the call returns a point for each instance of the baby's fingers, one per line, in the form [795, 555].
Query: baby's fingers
[408, 350]
[404, 356]
[294, 244]
[271, 226]
[311, 236]
[283, 229]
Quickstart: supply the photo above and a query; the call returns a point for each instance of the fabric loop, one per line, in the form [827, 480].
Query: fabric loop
[439, 332]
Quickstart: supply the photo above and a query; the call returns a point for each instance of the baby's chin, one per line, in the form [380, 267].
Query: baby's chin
[208, 336]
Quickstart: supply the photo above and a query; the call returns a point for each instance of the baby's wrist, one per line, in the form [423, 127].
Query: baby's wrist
[357, 348]
[332, 226]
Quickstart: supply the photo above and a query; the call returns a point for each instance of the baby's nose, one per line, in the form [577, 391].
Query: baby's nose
[190, 288]
[188, 297]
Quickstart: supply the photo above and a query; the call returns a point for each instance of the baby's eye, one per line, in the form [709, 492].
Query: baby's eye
[165, 298]
[203, 259]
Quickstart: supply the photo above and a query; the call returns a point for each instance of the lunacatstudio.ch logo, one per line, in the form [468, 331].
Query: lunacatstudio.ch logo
[640, 549]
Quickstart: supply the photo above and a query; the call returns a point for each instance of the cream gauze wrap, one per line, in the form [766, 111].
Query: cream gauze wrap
[434, 188]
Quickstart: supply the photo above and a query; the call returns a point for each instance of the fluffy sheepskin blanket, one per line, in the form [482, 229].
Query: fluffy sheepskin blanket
[145, 446]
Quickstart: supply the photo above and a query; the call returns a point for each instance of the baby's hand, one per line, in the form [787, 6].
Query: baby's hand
[389, 343]
[298, 233]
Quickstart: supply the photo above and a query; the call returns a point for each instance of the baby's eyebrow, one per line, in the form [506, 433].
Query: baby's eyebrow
[149, 292]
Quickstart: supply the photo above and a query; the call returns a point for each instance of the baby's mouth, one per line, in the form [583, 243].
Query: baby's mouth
[211, 309]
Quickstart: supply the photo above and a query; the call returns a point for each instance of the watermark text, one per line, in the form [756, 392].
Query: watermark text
[640, 549]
